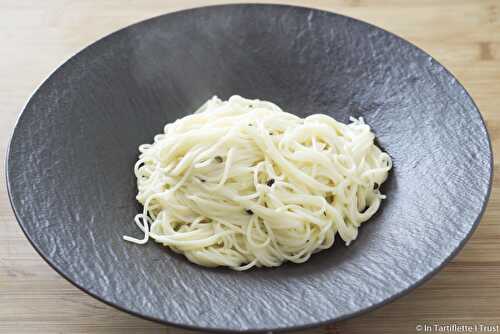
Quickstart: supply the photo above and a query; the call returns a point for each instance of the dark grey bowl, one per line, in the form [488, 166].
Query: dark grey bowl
[70, 179]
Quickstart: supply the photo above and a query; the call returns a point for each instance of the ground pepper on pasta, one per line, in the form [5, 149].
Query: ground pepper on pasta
[241, 183]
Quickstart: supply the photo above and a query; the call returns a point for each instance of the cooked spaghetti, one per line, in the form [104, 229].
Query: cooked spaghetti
[241, 183]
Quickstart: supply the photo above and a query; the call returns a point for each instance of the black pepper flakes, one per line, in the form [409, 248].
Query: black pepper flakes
[270, 182]
[218, 159]
[248, 211]
[330, 198]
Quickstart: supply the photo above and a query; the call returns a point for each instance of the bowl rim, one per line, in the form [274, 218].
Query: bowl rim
[367, 309]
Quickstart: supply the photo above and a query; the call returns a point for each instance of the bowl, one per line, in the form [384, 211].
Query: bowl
[70, 162]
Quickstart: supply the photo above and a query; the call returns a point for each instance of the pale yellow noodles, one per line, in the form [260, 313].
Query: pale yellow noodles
[241, 183]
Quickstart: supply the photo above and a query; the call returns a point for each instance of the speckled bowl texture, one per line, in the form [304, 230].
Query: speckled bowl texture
[70, 161]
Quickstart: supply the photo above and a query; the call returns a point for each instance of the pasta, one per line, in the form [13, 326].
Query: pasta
[241, 183]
